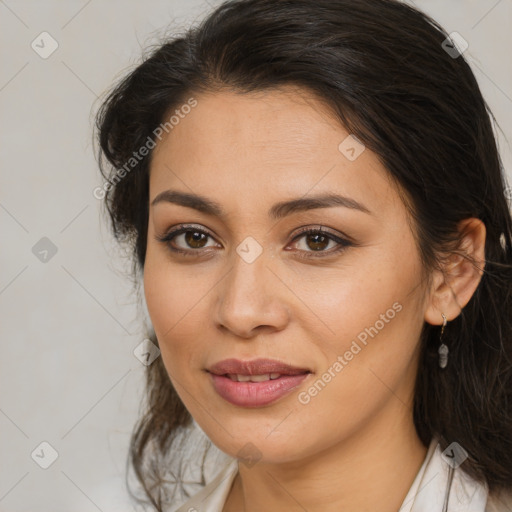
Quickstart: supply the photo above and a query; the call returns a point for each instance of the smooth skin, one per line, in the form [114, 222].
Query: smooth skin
[353, 447]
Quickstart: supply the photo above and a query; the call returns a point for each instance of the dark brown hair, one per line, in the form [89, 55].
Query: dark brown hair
[382, 68]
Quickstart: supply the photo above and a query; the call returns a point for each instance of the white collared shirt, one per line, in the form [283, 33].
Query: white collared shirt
[426, 494]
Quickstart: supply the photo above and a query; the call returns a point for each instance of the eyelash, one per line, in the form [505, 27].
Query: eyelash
[182, 228]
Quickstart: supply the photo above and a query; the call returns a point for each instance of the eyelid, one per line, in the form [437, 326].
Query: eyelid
[324, 230]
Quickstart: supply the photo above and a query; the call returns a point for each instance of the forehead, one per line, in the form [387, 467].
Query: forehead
[276, 144]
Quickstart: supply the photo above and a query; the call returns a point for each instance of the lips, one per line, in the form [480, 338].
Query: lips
[255, 367]
[255, 383]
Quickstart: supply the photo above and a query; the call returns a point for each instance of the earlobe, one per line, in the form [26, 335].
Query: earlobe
[463, 272]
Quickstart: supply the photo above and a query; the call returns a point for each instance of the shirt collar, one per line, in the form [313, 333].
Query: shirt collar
[428, 492]
[431, 490]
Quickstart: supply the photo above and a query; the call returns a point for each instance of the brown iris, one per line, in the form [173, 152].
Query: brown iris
[194, 239]
[321, 241]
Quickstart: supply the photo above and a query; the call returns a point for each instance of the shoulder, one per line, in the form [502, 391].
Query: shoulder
[500, 501]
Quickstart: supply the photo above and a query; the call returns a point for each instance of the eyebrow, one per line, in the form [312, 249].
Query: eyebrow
[277, 211]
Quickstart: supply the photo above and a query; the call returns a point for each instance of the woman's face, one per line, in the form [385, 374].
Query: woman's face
[249, 285]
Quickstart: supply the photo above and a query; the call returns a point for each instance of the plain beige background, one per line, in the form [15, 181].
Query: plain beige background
[68, 375]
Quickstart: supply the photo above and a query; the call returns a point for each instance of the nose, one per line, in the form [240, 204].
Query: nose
[251, 299]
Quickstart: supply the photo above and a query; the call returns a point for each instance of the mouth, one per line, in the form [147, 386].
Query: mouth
[255, 367]
[237, 377]
[255, 383]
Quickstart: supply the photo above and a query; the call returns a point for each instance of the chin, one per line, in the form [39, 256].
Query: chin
[258, 448]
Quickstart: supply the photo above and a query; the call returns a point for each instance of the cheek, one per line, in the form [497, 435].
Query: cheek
[176, 301]
[372, 313]
[339, 304]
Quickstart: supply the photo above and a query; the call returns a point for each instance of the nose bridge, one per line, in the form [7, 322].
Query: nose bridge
[246, 284]
[248, 298]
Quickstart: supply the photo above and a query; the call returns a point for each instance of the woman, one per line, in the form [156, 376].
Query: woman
[317, 212]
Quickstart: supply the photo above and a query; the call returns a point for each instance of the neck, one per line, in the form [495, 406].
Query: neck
[373, 469]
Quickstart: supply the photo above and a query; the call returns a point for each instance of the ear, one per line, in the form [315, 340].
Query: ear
[453, 288]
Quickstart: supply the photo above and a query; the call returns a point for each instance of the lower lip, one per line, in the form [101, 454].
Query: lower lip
[255, 394]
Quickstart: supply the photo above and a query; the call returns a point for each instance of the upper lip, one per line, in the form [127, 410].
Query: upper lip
[255, 367]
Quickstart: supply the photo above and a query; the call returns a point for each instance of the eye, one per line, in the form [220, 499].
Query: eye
[316, 240]
[194, 238]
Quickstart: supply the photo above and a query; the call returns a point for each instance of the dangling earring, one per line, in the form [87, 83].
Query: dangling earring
[443, 349]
